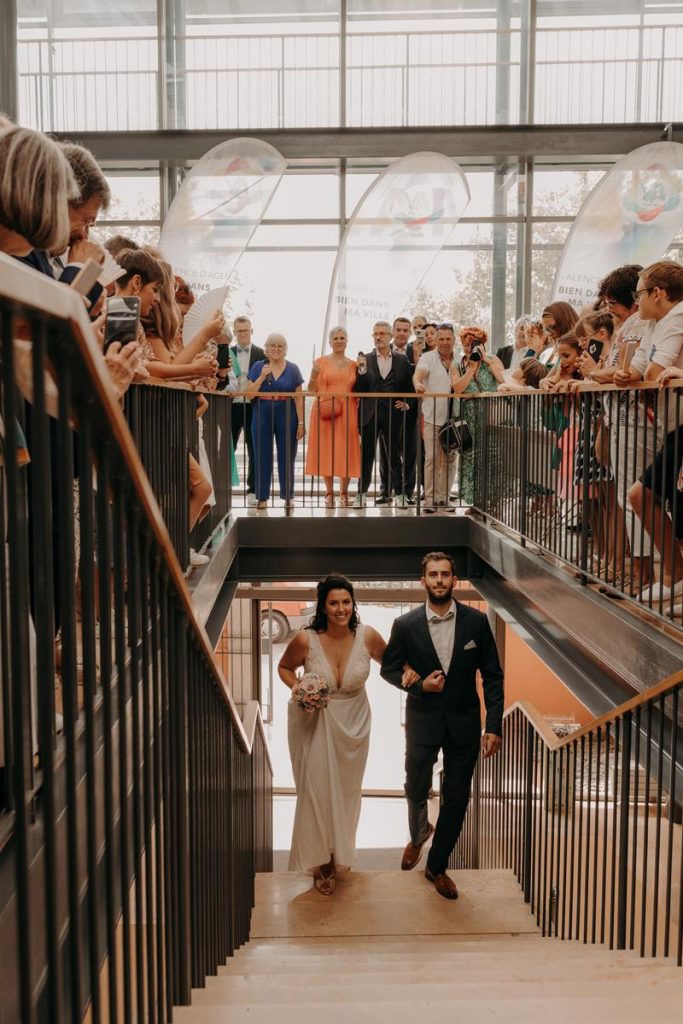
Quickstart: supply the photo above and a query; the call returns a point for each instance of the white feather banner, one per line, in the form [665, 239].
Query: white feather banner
[631, 216]
[395, 233]
[216, 211]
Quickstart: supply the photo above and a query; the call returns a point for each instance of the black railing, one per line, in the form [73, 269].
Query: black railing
[590, 824]
[561, 471]
[163, 421]
[135, 806]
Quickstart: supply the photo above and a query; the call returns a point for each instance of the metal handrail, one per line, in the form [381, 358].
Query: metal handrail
[589, 823]
[128, 777]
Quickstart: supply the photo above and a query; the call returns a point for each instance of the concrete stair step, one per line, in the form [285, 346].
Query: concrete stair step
[464, 967]
[387, 948]
[608, 1006]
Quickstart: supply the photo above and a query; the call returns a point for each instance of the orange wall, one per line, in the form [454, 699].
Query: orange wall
[528, 678]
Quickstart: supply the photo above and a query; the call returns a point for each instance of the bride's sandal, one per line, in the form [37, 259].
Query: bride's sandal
[325, 883]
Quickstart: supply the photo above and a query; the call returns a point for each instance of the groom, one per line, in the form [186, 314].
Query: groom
[445, 643]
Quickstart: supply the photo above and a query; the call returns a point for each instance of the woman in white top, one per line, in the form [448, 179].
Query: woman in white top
[432, 377]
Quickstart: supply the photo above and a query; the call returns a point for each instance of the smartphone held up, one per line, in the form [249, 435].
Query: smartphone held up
[123, 320]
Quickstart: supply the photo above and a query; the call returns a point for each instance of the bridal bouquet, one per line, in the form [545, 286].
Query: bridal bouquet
[311, 692]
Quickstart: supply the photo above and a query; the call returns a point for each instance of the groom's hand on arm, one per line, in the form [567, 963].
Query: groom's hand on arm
[434, 682]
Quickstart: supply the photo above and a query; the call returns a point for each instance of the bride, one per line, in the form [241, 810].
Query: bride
[329, 747]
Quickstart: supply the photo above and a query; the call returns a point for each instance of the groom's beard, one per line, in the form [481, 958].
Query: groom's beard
[442, 598]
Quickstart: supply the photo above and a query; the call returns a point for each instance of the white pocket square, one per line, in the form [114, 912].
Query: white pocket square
[470, 645]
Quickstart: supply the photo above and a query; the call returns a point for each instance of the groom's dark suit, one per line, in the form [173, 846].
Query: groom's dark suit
[448, 721]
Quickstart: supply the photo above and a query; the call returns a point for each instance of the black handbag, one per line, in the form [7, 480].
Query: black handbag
[455, 436]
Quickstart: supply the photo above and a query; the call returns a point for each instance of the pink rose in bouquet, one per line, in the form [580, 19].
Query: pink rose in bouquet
[311, 692]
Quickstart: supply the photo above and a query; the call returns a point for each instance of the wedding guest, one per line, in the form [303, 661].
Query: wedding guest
[117, 243]
[244, 354]
[558, 319]
[655, 498]
[167, 357]
[429, 335]
[333, 441]
[527, 376]
[432, 376]
[616, 291]
[275, 419]
[478, 372]
[382, 421]
[631, 438]
[416, 345]
[512, 355]
[92, 195]
[401, 333]
[418, 324]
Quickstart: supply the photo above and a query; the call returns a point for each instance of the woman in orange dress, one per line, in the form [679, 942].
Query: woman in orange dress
[333, 441]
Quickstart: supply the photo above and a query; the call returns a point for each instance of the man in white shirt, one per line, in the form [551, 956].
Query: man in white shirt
[659, 295]
[433, 377]
[244, 354]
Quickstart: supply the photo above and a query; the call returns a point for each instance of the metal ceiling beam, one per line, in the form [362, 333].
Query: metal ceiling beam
[482, 145]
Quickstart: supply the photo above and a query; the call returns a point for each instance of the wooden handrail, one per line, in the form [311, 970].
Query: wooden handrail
[29, 290]
[554, 742]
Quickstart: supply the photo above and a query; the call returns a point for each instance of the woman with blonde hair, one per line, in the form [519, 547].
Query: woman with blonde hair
[36, 184]
[334, 444]
[275, 418]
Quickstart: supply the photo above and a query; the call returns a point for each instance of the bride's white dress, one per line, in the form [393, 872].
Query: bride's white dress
[329, 749]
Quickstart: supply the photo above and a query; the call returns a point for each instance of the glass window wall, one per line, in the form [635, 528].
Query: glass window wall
[88, 65]
[282, 281]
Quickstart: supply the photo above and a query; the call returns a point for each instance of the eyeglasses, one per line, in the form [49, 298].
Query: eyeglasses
[641, 291]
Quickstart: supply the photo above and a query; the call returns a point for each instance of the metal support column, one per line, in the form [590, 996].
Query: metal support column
[499, 234]
[9, 92]
[525, 189]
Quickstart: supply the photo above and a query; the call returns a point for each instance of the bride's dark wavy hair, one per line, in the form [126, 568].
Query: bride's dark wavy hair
[335, 581]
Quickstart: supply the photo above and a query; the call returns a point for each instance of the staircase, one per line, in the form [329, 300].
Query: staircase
[387, 948]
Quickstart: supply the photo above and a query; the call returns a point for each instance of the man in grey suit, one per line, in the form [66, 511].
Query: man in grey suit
[445, 643]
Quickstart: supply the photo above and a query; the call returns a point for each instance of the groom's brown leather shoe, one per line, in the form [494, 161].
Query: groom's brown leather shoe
[444, 885]
[411, 854]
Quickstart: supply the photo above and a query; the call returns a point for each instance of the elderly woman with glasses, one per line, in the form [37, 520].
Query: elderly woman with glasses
[478, 372]
[275, 418]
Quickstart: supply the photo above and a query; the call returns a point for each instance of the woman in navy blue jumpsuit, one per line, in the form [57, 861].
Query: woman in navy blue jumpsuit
[275, 418]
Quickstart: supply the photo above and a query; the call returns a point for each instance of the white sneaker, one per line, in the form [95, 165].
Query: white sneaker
[197, 559]
[360, 501]
[252, 500]
[660, 592]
